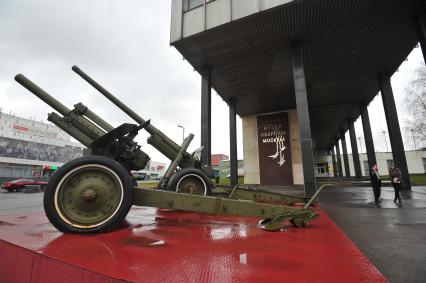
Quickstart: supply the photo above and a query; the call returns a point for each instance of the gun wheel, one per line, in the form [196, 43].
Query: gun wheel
[190, 181]
[88, 194]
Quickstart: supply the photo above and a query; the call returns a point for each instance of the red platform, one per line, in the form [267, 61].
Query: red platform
[170, 246]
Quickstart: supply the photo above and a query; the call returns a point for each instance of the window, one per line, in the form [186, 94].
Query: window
[191, 4]
[424, 164]
[389, 163]
[322, 168]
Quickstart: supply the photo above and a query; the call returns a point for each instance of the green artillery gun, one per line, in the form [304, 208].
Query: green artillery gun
[94, 193]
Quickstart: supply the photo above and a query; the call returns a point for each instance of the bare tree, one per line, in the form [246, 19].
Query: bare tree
[416, 103]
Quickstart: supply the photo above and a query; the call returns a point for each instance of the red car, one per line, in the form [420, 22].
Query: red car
[18, 185]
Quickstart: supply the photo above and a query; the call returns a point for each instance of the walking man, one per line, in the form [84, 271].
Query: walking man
[396, 177]
[376, 182]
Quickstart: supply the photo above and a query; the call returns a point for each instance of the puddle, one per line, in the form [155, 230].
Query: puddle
[4, 223]
[138, 241]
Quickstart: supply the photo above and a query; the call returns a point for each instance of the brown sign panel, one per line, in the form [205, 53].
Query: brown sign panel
[274, 150]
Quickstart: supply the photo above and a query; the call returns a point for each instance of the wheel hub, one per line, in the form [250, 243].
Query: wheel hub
[89, 195]
[189, 187]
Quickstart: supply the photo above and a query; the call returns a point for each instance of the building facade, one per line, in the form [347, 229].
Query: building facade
[217, 158]
[416, 161]
[31, 149]
[299, 73]
[153, 171]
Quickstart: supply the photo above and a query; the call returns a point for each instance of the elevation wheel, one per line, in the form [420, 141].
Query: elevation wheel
[190, 181]
[88, 194]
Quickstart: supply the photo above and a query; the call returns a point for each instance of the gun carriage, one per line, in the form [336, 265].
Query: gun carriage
[94, 193]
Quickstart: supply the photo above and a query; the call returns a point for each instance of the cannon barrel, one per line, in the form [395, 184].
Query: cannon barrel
[109, 95]
[168, 147]
[89, 128]
[84, 110]
[70, 129]
[43, 95]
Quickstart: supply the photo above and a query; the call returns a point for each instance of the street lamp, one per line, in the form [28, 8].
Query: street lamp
[360, 145]
[386, 141]
[414, 140]
[183, 132]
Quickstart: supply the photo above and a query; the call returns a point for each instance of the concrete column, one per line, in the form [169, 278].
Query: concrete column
[420, 23]
[233, 159]
[355, 154]
[395, 137]
[339, 159]
[206, 117]
[368, 136]
[345, 155]
[304, 121]
[333, 159]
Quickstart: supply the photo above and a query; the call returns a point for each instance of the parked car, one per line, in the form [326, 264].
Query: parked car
[19, 184]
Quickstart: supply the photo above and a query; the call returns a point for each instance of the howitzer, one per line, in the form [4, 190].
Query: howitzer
[89, 129]
[95, 192]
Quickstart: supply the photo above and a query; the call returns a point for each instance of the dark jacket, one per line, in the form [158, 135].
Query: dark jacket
[395, 175]
[375, 179]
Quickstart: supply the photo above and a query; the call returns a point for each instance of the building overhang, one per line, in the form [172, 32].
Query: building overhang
[346, 44]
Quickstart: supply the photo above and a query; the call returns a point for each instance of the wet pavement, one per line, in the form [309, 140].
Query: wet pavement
[392, 236]
[362, 197]
[19, 203]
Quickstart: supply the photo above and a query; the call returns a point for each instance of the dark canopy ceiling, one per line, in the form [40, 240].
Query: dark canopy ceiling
[346, 45]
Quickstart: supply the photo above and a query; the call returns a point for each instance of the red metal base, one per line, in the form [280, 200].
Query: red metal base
[172, 246]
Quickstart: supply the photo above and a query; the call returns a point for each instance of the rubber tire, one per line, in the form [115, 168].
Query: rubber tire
[174, 180]
[115, 221]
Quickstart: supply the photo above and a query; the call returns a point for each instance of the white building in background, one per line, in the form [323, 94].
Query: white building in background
[28, 147]
[152, 171]
[416, 162]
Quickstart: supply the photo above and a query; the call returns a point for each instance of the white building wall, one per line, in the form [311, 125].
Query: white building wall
[155, 168]
[28, 130]
[29, 162]
[244, 8]
[250, 150]
[213, 13]
[218, 13]
[176, 21]
[193, 22]
[415, 162]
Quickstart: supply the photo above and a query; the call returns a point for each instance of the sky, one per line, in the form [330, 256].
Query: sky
[124, 45]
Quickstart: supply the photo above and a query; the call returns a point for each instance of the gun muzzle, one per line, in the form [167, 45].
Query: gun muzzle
[43, 95]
